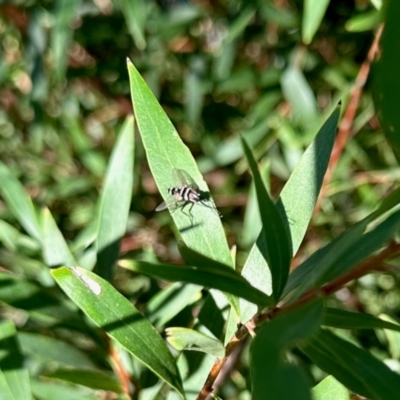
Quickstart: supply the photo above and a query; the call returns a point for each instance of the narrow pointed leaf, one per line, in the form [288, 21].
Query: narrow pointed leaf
[299, 94]
[115, 201]
[393, 338]
[351, 320]
[18, 202]
[353, 367]
[214, 276]
[189, 339]
[300, 194]
[314, 11]
[55, 249]
[114, 314]
[43, 347]
[277, 250]
[296, 203]
[339, 247]
[61, 34]
[14, 378]
[200, 261]
[165, 152]
[170, 301]
[330, 389]
[92, 379]
[363, 246]
[135, 13]
[386, 82]
[60, 390]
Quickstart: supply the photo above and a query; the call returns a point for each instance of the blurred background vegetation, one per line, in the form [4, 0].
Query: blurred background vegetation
[262, 69]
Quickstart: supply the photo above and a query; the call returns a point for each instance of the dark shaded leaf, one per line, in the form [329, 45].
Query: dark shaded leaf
[215, 276]
[354, 367]
[269, 373]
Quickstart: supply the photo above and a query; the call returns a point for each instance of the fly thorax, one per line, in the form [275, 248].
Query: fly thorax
[193, 196]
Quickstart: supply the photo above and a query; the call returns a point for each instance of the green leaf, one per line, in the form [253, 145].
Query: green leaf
[238, 26]
[377, 4]
[213, 313]
[135, 13]
[113, 313]
[170, 301]
[277, 251]
[189, 339]
[320, 264]
[386, 84]
[367, 244]
[55, 249]
[61, 391]
[300, 193]
[40, 303]
[196, 366]
[115, 201]
[355, 368]
[387, 204]
[14, 378]
[350, 320]
[257, 272]
[296, 203]
[299, 94]
[314, 11]
[92, 379]
[330, 389]
[202, 262]
[363, 22]
[215, 276]
[267, 266]
[269, 373]
[231, 326]
[61, 33]
[252, 222]
[393, 338]
[14, 240]
[336, 247]
[194, 90]
[19, 202]
[165, 152]
[48, 349]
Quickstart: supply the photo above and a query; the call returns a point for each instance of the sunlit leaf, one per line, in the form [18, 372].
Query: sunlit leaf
[113, 313]
[115, 201]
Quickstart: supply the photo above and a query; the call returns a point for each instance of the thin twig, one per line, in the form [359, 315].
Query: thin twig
[375, 263]
[121, 372]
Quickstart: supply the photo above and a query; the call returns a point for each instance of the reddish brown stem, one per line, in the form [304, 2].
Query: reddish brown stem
[121, 372]
[350, 113]
[375, 263]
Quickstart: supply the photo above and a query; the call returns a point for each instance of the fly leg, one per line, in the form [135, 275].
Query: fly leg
[188, 214]
[176, 206]
[206, 203]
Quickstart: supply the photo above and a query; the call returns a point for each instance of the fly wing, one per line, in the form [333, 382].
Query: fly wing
[183, 178]
[162, 206]
[166, 204]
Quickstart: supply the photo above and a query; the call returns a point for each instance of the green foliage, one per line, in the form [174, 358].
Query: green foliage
[100, 296]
